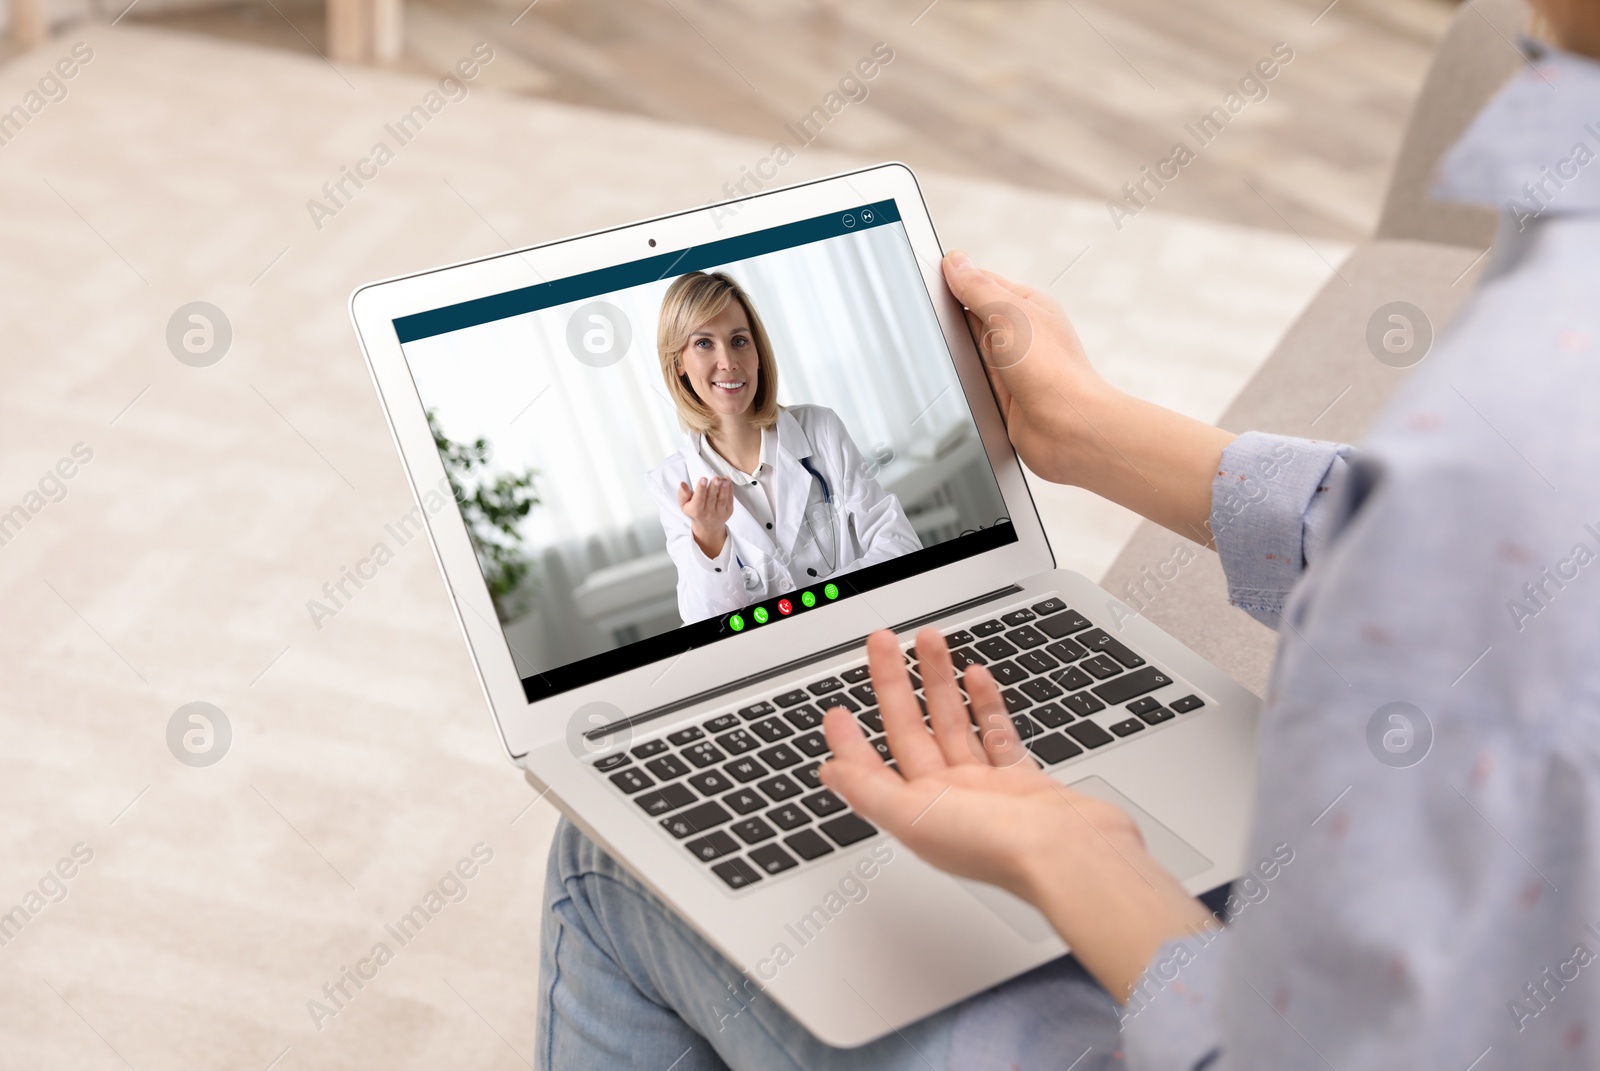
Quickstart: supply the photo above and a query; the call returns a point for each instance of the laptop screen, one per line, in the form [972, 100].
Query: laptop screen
[667, 453]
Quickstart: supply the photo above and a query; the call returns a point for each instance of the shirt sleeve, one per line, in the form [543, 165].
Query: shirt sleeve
[1271, 513]
[1170, 1022]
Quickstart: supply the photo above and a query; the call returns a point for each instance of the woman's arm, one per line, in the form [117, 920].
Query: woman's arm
[879, 520]
[1071, 426]
[707, 586]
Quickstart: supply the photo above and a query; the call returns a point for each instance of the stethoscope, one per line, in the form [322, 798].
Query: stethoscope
[831, 559]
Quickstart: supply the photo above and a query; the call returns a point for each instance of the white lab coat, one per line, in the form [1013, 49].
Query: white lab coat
[865, 522]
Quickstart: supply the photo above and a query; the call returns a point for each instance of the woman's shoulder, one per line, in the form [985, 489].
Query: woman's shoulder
[814, 416]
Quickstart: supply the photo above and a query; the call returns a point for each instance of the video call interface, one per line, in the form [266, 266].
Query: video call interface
[703, 443]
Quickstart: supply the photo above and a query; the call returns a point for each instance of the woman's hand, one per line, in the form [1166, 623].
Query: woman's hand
[1068, 424]
[972, 801]
[708, 506]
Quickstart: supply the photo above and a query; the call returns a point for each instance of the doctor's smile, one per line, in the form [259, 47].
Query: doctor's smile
[763, 498]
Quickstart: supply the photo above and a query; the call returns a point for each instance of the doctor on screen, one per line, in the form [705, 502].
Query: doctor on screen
[762, 499]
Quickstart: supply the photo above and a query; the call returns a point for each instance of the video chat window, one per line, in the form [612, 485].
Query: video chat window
[724, 443]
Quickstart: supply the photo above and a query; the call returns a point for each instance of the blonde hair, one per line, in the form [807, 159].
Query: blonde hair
[692, 301]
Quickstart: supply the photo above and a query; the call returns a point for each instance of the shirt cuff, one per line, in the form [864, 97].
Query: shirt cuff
[722, 563]
[1170, 1022]
[1270, 513]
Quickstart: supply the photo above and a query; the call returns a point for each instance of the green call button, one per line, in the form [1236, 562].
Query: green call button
[760, 614]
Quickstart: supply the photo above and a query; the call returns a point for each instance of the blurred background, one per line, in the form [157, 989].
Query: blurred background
[192, 189]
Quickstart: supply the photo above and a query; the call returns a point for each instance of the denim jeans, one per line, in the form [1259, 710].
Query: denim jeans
[625, 984]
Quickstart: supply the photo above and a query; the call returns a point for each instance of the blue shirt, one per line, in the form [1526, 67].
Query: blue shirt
[1426, 849]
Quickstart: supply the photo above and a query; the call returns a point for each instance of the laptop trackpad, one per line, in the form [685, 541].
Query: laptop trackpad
[1170, 850]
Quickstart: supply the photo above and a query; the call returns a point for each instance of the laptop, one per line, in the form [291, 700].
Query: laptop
[674, 713]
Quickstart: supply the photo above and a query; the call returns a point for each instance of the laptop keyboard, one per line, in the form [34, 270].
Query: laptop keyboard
[740, 790]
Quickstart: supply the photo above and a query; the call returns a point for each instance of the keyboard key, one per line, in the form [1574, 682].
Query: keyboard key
[1067, 650]
[1015, 700]
[699, 819]
[1071, 679]
[649, 748]
[722, 723]
[772, 859]
[871, 720]
[685, 736]
[1127, 727]
[824, 803]
[744, 770]
[824, 686]
[1036, 662]
[856, 674]
[1048, 607]
[959, 638]
[780, 788]
[963, 657]
[738, 742]
[745, 800]
[631, 781]
[1054, 748]
[881, 745]
[665, 799]
[839, 700]
[1088, 734]
[987, 628]
[1100, 667]
[792, 699]
[713, 846]
[1083, 704]
[611, 762]
[780, 757]
[847, 829]
[704, 754]
[1051, 716]
[806, 717]
[865, 693]
[757, 710]
[1098, 639]
[995, 648]
[812, 745]
[1132, 684]
[1027, 637]
[807, 775]
[1008, 672]
[1140, 706]
[736, 872]
[1040, 690]
[667, 767]
[1156, 716]
[1017, 617]
[808, 844]
[709, 783]
[1026, 726]
[753, 831]
[1186, 704]
[787, 816]
[771, 730]
[1064, 623]
[916, 682]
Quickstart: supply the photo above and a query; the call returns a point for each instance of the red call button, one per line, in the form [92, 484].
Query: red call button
[785, 606]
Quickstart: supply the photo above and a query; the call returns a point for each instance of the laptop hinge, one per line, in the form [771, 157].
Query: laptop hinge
[789, 667]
